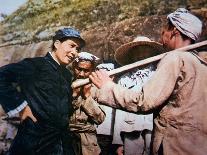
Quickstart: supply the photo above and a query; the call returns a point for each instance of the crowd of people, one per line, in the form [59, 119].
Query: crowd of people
[158, 108]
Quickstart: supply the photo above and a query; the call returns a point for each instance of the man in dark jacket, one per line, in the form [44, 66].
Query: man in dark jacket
[39, 88]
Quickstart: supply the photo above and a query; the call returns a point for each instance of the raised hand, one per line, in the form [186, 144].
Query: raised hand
[86, 90]
[99, 78]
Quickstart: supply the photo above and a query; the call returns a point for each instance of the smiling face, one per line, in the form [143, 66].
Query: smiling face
[83, 69]
[66, 51]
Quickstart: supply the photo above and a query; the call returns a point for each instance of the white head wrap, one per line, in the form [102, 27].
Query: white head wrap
[106, 66]
[86, 56]
[187, 23]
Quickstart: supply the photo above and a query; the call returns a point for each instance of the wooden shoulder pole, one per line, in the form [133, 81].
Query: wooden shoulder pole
[141, 63]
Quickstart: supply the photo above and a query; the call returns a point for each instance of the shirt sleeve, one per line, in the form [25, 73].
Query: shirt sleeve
[154, 93]
[17, 110]
[93, 110]
[11, 77]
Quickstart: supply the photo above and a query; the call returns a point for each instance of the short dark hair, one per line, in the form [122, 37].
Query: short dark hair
[53, 42]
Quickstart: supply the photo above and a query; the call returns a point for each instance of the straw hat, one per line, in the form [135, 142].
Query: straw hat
[123, 54]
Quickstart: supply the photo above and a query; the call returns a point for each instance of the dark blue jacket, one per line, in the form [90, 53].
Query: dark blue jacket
[45, 85]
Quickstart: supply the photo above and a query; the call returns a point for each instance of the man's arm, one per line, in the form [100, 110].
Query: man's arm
[93, 110]
[89, 105]
[11, 98]
[156, 91]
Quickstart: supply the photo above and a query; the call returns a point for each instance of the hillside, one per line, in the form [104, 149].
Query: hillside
[104, 24]
[37, 19]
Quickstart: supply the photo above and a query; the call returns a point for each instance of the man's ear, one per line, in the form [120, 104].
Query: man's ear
[174, 32]
[57, 44]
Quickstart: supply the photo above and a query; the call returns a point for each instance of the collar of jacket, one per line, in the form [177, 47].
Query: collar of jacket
[50, 60]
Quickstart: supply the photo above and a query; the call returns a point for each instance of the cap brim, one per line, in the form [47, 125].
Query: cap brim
[123, 52]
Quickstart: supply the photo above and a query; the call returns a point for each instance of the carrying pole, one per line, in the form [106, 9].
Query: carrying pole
[141, 63]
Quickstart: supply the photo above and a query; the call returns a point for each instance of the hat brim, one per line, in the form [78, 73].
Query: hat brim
[123, 52]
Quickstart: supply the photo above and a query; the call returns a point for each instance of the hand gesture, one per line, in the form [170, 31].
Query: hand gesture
[76, 92]
[99, 78]
[86, 90]
[26, 112]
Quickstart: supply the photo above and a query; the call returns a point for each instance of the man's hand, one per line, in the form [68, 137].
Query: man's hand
[99, 78]
[86, 90]
[26, 112]
[83, 91]
[76, 92]
[2, 112]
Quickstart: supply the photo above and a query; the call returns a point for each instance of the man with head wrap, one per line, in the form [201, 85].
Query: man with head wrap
[87, 112]
[182, 29]
[177, 91]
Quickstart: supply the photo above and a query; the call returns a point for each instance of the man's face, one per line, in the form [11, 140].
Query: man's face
[168, 39]
[66, 51]
[83, 69]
